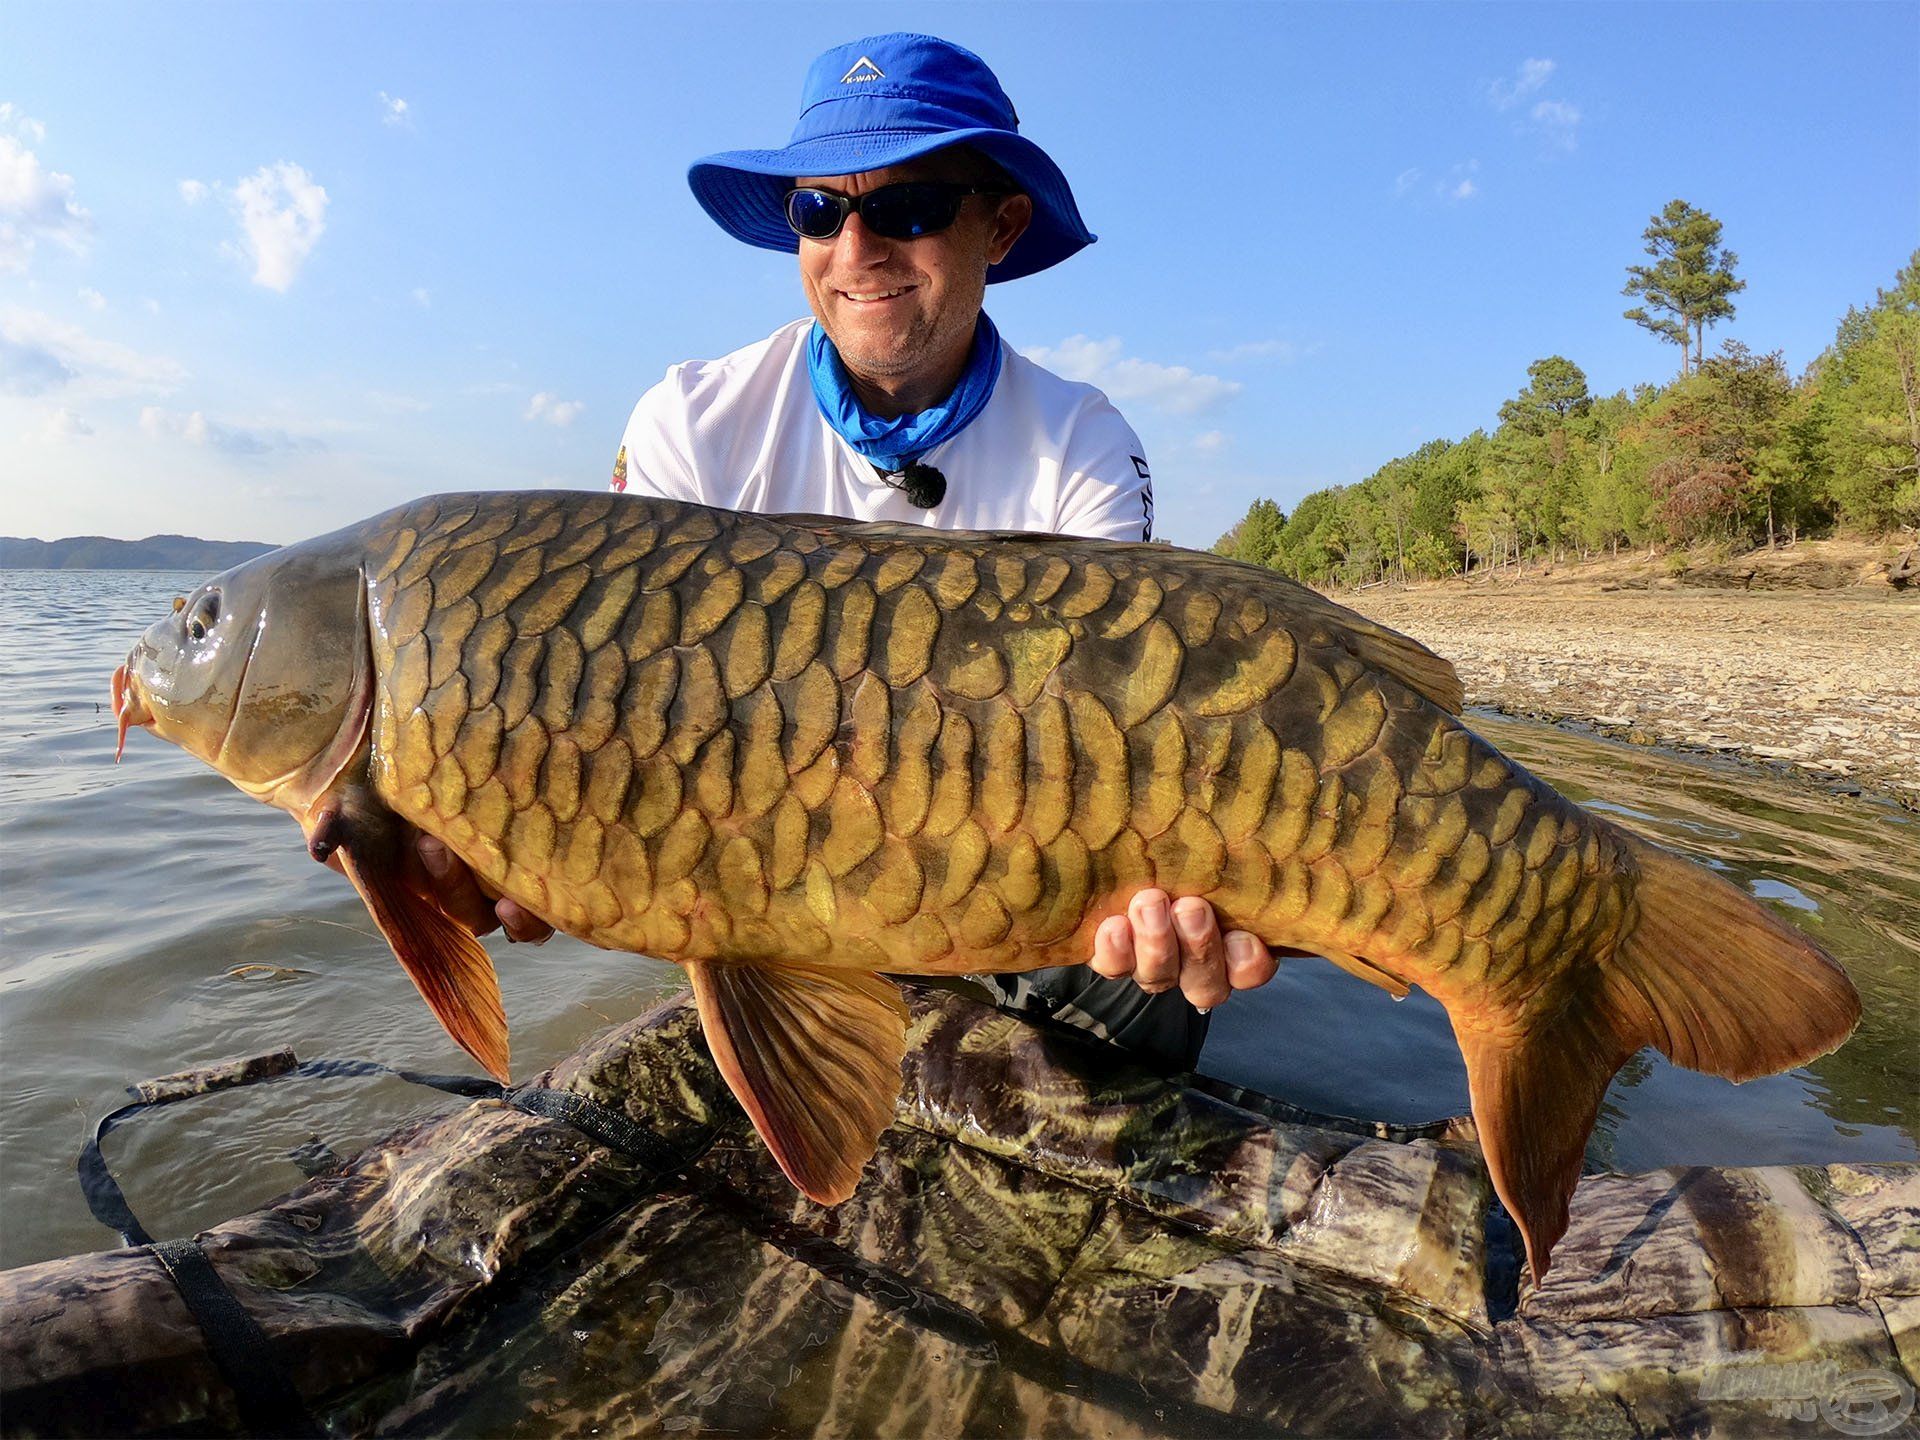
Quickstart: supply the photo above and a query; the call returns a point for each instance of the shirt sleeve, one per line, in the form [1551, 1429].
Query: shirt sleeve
[1106, 489]
[656, 451]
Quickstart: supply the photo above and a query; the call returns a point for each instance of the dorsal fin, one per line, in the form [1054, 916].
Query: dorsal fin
[1407, 660]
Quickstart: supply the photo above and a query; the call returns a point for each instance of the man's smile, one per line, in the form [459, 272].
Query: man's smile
[871, 297]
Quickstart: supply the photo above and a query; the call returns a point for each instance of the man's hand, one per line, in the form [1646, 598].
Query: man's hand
[1161, 945]
[459, 894]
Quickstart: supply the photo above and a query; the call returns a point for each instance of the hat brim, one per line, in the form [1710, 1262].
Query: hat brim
[745, 190]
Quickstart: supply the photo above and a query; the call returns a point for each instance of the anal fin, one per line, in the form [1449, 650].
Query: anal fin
[1536, 1093]
[813, 1056]
[1366, 970]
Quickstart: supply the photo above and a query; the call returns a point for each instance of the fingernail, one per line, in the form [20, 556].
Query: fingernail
[434, 856]
[1192, 924]
[1156, 913]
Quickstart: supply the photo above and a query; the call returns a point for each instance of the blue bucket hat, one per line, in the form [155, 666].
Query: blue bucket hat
[882, 101]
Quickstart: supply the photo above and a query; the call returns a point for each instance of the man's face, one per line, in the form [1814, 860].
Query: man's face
[898, 309]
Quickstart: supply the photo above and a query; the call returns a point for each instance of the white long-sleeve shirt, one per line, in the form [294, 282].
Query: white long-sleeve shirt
[743, 432]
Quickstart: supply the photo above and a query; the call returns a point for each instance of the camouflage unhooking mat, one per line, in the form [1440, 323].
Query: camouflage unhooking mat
[1047, 1244]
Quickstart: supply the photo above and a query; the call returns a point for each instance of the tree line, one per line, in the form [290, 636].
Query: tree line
[1735, 449]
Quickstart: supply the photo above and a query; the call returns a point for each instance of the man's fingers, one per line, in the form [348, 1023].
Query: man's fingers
[522, 924]
[1249, 962]
[1203, 959]
[1113, 948]
[454, 888]
[1156, 950]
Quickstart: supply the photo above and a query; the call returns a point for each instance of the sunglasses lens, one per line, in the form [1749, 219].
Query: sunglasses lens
[905, 212]
[814, 214]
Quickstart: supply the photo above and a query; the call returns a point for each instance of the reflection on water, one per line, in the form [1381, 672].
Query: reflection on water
[154, 917]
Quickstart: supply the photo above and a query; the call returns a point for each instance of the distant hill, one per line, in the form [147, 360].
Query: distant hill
[156, 552]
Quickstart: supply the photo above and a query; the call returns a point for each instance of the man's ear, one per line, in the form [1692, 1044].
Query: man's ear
[1010, 222]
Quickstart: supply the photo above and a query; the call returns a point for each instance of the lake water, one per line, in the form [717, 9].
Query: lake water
[152, 917]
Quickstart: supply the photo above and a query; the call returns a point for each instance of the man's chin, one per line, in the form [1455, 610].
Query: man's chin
[874, 356]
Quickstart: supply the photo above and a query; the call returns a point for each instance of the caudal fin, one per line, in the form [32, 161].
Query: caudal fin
[1715, 982]
[1707, 976]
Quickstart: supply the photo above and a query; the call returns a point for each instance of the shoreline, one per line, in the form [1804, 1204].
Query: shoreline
[1816, 686]
[1782, 771]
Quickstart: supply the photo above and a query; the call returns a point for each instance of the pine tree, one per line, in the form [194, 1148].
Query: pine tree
[1690, 284]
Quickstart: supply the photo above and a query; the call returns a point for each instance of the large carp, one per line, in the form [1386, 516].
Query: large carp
[795, 754]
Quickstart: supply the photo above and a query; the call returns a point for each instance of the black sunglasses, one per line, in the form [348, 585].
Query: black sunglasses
[904, 211]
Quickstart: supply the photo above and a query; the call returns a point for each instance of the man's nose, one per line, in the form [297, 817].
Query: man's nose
[859, 246]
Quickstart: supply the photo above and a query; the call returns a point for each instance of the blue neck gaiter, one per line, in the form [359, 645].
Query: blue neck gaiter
[894, 444]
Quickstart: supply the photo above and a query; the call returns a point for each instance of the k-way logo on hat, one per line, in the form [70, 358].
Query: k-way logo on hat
[862, 71]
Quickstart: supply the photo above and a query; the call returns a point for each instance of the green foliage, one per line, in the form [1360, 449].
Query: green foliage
[1691, 283]
[1735, 451]
[1556, 392]
[1864, 411]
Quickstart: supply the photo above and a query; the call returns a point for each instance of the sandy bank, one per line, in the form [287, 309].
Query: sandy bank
[1822, 681]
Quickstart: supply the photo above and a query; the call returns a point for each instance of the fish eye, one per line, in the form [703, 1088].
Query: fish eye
[204, 614]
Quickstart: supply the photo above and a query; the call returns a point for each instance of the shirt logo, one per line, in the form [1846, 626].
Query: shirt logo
[863, 70]
[619, 481]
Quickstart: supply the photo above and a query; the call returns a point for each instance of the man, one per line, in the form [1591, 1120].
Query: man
[906, 189]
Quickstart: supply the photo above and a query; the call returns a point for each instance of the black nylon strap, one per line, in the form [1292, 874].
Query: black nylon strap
[605, 1124]
[108, 1202]
[269, 1405]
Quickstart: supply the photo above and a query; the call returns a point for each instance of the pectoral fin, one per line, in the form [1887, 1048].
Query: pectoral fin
[813, 1056]
[451, 969]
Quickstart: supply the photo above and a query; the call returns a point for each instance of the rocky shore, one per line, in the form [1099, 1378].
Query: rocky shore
[1807, 663]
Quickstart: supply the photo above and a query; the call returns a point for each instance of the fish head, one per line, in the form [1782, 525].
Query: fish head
[264, 672]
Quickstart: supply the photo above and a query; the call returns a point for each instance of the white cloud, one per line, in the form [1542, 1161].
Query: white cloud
[1558, 121]
[1456, 185]
[1210, 442]
[282, 214]
[1531, 75]
[394, 110]
[35, 204]
[1460, 184]
[196, 429]
[1172, 388]
[39, 354]
[422, 297]
[64, 424]
[92, 299]
[193, 191]
[11, 118]
[150, 305]
[554, 410]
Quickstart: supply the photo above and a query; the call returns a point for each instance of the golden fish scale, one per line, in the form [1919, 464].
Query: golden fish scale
[700, 735]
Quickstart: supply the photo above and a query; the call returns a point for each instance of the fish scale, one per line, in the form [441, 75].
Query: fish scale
[868, 644]
[794, 754]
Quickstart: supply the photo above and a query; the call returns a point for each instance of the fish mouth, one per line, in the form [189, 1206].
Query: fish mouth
[129, 709]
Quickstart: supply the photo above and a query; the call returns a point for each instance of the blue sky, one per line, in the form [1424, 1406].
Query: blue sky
[265, 269]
